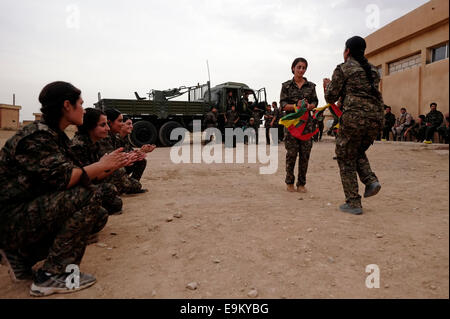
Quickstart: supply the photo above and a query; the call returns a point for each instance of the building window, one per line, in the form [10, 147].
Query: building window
[405, 63]
[439, 53]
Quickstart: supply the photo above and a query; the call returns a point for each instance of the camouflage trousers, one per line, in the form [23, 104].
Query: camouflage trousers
[110, 198]
[356, 135]
[54, 227]
[137, 169]
[296, 147]
[123, 182]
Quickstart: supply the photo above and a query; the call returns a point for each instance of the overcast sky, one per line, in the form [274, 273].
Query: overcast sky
[118, 47]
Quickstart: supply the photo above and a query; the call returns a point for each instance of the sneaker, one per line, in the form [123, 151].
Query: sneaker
[372, 189]
[18, 268]
[46, 284]
[428, 142]
[383, 140]
[346, 208]
[301, 189]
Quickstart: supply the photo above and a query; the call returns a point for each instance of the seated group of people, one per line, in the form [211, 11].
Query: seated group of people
[422, 129]
[59, 193]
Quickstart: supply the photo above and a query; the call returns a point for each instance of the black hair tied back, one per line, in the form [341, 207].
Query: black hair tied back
[357, 47]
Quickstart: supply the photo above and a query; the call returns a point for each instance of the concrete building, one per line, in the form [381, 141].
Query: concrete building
[37, 117]
[9, 116]
[412, 56]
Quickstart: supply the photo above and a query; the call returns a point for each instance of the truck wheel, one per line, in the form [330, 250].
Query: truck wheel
[143, 133]
[164, 133]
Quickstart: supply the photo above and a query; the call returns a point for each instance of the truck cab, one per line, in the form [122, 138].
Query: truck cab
[244, 98]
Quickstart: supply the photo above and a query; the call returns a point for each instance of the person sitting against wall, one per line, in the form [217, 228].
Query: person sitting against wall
[444, 129]
[417, 130]
[403, 122]
[389, 122]
[433, 120]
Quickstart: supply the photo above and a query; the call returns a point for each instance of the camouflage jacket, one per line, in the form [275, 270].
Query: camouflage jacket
[276, 113]
[85, 150]
[232, 117]
[35, 161]
[268, 120]
[211, 119]
[290, 94]
[257, 114]
[435, 118]
[125, 143]
[350, 82]
[230, 102]
[109, 144]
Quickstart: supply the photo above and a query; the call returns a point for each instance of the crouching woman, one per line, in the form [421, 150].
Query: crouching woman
[48, 207]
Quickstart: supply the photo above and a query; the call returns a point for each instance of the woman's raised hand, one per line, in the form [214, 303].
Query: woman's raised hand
[114, 160]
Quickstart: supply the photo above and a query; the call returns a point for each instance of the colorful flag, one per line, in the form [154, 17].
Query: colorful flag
[296, 123]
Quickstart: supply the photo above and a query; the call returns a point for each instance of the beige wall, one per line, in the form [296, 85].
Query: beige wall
[435, 86]
[9, 116]
[417, 21]
[402, 90]
[416, 32]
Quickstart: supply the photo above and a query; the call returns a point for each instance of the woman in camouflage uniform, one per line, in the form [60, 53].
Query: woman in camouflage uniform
[292, 93]
[86, 148]
[356, 82]
[48, 207]
[120, 178]
[137, 168]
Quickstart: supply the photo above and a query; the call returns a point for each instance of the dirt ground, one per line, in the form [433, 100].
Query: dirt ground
[240, 230]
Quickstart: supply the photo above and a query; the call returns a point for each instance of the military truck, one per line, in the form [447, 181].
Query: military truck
[155, 117]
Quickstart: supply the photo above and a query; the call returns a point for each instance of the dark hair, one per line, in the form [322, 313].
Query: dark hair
[52, 99]
[357, 46]
[403, 109]
[422, 117]
[112, 114]
[296, 61]
[434, 103]
[387, 107]
[274, 103]
[90, 120]
[126, 118]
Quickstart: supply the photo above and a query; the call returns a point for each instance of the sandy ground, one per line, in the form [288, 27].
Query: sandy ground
[240, 230]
